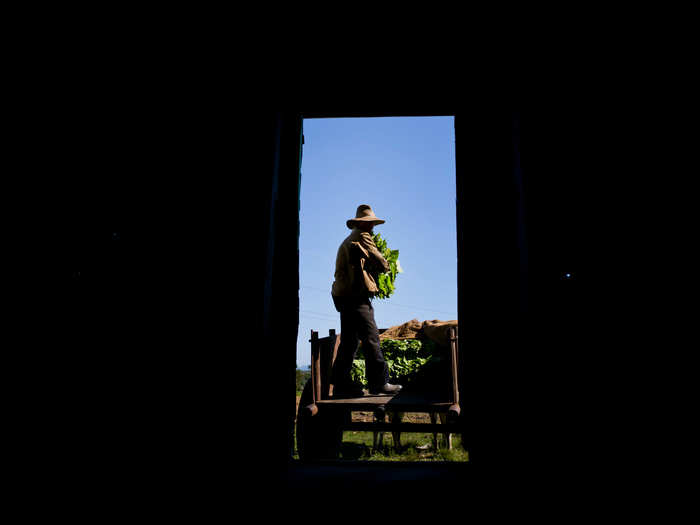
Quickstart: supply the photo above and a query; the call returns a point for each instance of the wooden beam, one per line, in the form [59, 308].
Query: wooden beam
[334, 342]
[315, 366]
[453, 363]
[402, 427]
[375, 113]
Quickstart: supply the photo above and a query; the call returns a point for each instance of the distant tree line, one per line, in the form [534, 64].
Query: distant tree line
[302, 377]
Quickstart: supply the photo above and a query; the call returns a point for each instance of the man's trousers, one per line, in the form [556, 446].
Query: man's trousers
[357, 325]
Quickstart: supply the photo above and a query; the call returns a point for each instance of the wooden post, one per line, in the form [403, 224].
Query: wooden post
[380, 413]
[334, 341]
[315, 366]
[453, 362]
[453, 413]
[311, 410]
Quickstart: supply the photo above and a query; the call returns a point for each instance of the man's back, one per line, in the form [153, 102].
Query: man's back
[351, 274]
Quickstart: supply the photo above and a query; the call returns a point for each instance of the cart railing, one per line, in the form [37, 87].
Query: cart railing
[323, 418]
[324, 351]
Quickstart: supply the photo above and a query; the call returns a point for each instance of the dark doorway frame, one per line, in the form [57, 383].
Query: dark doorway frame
[492, 274]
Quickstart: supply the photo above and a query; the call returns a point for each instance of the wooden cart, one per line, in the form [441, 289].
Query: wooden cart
[321, 418]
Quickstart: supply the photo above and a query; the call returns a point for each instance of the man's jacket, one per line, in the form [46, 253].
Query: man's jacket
[357, 262]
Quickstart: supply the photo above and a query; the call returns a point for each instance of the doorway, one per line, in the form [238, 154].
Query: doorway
[404, 167]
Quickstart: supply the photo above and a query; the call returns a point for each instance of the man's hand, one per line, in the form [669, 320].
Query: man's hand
[373, 265]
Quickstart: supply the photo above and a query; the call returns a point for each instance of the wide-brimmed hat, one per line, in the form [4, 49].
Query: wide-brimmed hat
[364, 214]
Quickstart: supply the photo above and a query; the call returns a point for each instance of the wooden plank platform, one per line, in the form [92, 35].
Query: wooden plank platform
[362, 426]
[403, 402]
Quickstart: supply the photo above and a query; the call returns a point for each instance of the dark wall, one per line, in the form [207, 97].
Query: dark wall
[490, 276]
[183, 324]
[165, 379]
[187, 316]
[548, 326]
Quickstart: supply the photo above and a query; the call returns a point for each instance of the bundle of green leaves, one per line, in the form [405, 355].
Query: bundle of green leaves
[406, 359]
[385, 281]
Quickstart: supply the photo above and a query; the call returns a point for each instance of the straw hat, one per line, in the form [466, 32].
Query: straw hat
[364, 214]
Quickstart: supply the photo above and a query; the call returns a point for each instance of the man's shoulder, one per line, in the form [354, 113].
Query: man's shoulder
[364, 239]
[346, 244]
[355, 235]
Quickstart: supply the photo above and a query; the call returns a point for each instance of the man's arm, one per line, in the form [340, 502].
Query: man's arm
[377, 260]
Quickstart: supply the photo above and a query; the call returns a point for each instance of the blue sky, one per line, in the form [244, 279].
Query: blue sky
[404, 168]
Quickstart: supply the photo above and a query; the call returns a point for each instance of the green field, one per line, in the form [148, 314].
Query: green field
[358, 446]
[414, 447]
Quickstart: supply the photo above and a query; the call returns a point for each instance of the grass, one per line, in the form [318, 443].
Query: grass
[358, 446]
[414, 447]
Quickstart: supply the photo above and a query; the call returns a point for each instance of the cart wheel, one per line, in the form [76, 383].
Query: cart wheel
[318, 437]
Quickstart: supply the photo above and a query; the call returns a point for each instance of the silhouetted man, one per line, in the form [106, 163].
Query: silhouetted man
[357, 260]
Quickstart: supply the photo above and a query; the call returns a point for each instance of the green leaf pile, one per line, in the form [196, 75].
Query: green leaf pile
[406, 359]
[385, 281]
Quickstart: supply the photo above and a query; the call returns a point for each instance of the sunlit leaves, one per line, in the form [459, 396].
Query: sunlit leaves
[385, 281]
[403, 357]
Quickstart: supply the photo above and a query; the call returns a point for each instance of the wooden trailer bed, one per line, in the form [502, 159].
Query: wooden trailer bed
[322, 417]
